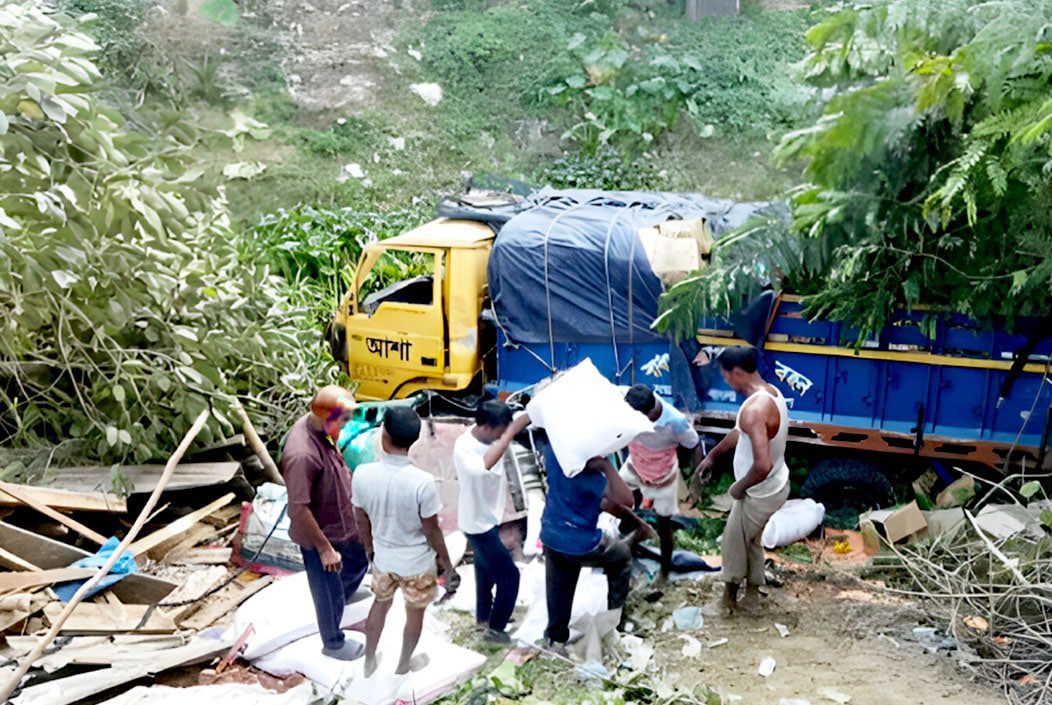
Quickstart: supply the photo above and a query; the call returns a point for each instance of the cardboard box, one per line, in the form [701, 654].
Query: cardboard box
[696, 229]
[671, 258]
[897, 524]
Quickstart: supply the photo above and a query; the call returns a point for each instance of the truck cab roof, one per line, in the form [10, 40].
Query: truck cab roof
[444, 232]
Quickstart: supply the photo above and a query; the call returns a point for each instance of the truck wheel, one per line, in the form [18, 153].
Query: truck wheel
[847, 482]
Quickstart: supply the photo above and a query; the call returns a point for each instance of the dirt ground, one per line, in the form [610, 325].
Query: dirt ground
[844, 634]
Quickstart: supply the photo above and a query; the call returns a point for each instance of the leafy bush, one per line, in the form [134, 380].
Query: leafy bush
[125, 304]
[316, 250]
[605, 170]
[928, 169]
[725, 74]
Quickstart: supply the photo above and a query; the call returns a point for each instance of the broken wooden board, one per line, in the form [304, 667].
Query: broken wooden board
[37, 578]
[66, 691]
[27, 499]
[12, 562]
[219, 605]
[17, 607]
[200, 556]
[47, 553]
[178, 526]
[93, 618]
[143, 478]
[182, 542]
[196, 585]
[93, 650]
[66, 500]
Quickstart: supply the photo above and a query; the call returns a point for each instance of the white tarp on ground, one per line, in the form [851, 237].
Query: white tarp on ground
[283, 612]
[284, 640]
[448, 665]
[225, 694]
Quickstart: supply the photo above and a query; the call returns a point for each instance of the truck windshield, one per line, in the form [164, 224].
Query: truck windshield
[398, 277]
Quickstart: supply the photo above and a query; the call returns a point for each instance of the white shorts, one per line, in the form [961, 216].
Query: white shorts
[665, 499]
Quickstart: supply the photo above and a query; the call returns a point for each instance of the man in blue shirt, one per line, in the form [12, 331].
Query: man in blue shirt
[572, 538]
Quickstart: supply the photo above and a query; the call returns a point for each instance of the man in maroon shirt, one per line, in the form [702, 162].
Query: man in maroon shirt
[322, 516]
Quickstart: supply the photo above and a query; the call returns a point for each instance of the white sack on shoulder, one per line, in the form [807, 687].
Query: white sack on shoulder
[585, 416]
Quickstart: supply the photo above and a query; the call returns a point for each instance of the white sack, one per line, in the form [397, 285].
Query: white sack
[795, 520]
[585, 416]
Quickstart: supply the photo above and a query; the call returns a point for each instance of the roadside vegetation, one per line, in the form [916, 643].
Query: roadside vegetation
[208, 269]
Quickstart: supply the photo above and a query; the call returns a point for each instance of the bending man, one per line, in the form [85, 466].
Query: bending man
[761, 476]
[653, 462]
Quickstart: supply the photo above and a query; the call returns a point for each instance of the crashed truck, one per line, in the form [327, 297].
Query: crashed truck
[506, 291]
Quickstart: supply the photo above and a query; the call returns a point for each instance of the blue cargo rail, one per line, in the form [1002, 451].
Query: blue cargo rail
[929, 385]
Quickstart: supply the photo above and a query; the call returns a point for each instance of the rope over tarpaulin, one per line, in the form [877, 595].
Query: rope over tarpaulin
[570, 266]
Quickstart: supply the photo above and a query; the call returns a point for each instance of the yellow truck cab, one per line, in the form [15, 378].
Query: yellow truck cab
[421, 330]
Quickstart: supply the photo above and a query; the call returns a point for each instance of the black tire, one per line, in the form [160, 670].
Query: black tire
[847, 482]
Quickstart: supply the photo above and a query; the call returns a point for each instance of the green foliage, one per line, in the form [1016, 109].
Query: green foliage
[316, 250]
[125, 304]
[724, 74]
[928, 167]
[121, 49]
[604, 170]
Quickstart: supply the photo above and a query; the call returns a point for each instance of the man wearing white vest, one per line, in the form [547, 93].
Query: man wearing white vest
[761, 476]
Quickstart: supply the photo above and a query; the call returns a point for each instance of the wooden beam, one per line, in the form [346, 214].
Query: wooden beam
[178, 526]
[66, 691]
[13, 562]
[94, 618]
[200, 556]
[143, 478]
[38, 578]
[66, 500]
[46, 553]
[27, 499]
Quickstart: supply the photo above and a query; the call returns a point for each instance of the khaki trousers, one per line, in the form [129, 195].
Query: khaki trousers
[742, 550]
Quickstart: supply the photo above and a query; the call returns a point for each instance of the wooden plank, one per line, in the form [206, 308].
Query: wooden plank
[93, 618]
[200, 556]
[66, 691]
[100, 650]
[217, 606]
[47, 553]
[13, 562]
[143, 478]
[26, 498]
[38, 578]
[178, 526]
[182, 542]
[67, 500]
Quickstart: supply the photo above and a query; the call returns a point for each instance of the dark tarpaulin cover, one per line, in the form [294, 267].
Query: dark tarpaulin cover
[576, 255]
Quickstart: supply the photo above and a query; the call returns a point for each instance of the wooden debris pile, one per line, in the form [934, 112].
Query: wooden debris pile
[995, 594]
[147, 621]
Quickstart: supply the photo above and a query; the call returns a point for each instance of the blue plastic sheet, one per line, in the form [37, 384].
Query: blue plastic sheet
[124, 566]
[571, 267]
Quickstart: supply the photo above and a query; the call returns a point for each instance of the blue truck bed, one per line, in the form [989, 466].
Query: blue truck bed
[928, 384]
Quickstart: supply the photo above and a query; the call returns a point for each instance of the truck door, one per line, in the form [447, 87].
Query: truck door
[396, 330]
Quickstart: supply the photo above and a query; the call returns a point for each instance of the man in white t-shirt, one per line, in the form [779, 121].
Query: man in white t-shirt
[477, 457]
[761, 476]
[396, 507]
